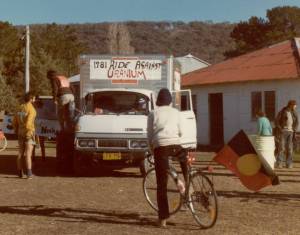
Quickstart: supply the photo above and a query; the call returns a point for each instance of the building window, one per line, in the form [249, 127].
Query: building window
[256, 103]
[270, 104]
[264, 101]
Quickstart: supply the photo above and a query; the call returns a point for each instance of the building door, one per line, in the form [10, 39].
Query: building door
[216, 119]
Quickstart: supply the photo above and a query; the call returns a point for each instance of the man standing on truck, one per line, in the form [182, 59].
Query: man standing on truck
[63, 96]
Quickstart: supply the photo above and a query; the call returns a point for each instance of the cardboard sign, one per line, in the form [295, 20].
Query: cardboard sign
[126, 69]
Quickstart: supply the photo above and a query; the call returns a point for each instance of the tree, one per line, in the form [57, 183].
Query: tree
[8, 102]
[11, 58]
[283, 23]
[62, 44]
[249, 36]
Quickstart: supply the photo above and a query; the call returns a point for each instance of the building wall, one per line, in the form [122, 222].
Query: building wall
[237, 105]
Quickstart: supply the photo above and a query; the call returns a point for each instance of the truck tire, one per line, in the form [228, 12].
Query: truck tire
[78, 168]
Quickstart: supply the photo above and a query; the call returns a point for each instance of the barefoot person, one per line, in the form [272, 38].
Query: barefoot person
[23, 124]
[164, 131]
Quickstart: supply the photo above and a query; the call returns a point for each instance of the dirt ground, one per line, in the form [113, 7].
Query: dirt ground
[53, 203]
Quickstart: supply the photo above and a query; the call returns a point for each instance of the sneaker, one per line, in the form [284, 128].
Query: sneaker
[29, 177]
[278, 165]
[20, 174]
[162, 223]
[29, 174]
[289, 166]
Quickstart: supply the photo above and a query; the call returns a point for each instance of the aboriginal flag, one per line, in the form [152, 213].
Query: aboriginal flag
[240, 157]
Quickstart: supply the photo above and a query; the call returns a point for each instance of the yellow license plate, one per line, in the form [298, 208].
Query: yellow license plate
[111, 156]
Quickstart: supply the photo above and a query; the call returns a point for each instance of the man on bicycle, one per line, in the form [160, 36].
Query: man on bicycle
[164, 131]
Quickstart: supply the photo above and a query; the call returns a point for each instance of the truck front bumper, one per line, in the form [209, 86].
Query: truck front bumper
[115, 160]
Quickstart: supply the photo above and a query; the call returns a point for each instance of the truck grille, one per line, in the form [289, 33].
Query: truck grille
[112, 143]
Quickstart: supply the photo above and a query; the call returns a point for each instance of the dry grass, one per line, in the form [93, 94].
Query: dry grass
[114, 203]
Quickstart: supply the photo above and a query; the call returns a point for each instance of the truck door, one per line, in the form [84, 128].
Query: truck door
[182, 100]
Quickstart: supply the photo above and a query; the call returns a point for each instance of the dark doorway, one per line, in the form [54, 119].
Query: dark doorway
[216, 119]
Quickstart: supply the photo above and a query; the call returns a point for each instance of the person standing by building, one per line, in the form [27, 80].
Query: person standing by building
[63, 96]
[164, 130]
[286, 127]
[23, 123]
[264, 127]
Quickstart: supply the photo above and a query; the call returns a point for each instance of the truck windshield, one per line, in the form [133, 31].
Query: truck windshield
[117, 102]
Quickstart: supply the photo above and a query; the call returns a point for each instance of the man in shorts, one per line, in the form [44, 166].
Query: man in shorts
[23, 124]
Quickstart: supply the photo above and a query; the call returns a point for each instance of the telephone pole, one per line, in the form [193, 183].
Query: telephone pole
[27, 79]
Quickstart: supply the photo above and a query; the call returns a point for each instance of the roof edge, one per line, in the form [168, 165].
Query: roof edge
[296, 48]
[231, 82]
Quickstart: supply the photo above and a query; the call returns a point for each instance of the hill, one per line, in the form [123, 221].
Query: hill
[205, 40]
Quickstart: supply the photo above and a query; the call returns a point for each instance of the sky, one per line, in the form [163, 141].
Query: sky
[26, 12]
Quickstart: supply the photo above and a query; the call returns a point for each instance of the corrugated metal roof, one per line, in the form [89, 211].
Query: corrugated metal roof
[280, 61]
[191, 63]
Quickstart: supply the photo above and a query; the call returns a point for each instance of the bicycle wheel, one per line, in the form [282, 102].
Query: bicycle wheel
[3, 142]
[150, 191]
[203, 200]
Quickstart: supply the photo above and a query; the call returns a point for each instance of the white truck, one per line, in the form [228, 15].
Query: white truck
[116, 95]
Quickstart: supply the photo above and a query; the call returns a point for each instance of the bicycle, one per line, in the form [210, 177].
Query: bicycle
[3, 141]
[199, 195]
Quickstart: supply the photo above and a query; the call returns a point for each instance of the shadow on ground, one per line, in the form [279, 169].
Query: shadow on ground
[51, 167]
[260, 196]
[74, 215]
[81, 215]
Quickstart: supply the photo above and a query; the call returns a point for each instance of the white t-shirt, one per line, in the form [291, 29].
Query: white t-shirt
[164, 127]
[289, 122]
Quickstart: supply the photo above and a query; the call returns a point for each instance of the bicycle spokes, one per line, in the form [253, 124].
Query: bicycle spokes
[203, 200]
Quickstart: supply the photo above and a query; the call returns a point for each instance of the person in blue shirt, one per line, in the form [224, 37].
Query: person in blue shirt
[264, 127]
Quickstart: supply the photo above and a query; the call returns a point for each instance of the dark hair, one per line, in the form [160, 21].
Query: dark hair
[291, 103]
[51, 74]
[164, 97]
[260, 113]
[28, 96]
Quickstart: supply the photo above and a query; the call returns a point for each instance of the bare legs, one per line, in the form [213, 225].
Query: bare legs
[26, 151]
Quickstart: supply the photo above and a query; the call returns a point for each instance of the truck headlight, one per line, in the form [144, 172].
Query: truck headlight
[91, 143]
[138, 144]
[83, 143]
[143, 144]
[86, 143]
[134, 144]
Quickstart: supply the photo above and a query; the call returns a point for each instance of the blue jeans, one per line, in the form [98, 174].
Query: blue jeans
[286, 147]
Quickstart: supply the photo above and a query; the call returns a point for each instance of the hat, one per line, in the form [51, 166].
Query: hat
[164, 97]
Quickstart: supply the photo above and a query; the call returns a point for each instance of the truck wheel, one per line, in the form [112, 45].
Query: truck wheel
[145, 165]
[79, 168]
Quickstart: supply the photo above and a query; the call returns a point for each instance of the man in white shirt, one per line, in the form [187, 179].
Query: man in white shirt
[164, 131]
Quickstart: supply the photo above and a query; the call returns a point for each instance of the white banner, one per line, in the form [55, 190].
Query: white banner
[43, 127]
[126, 69]
[47, 128]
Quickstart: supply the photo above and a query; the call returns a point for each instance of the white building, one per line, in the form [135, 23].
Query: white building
[227, 95]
